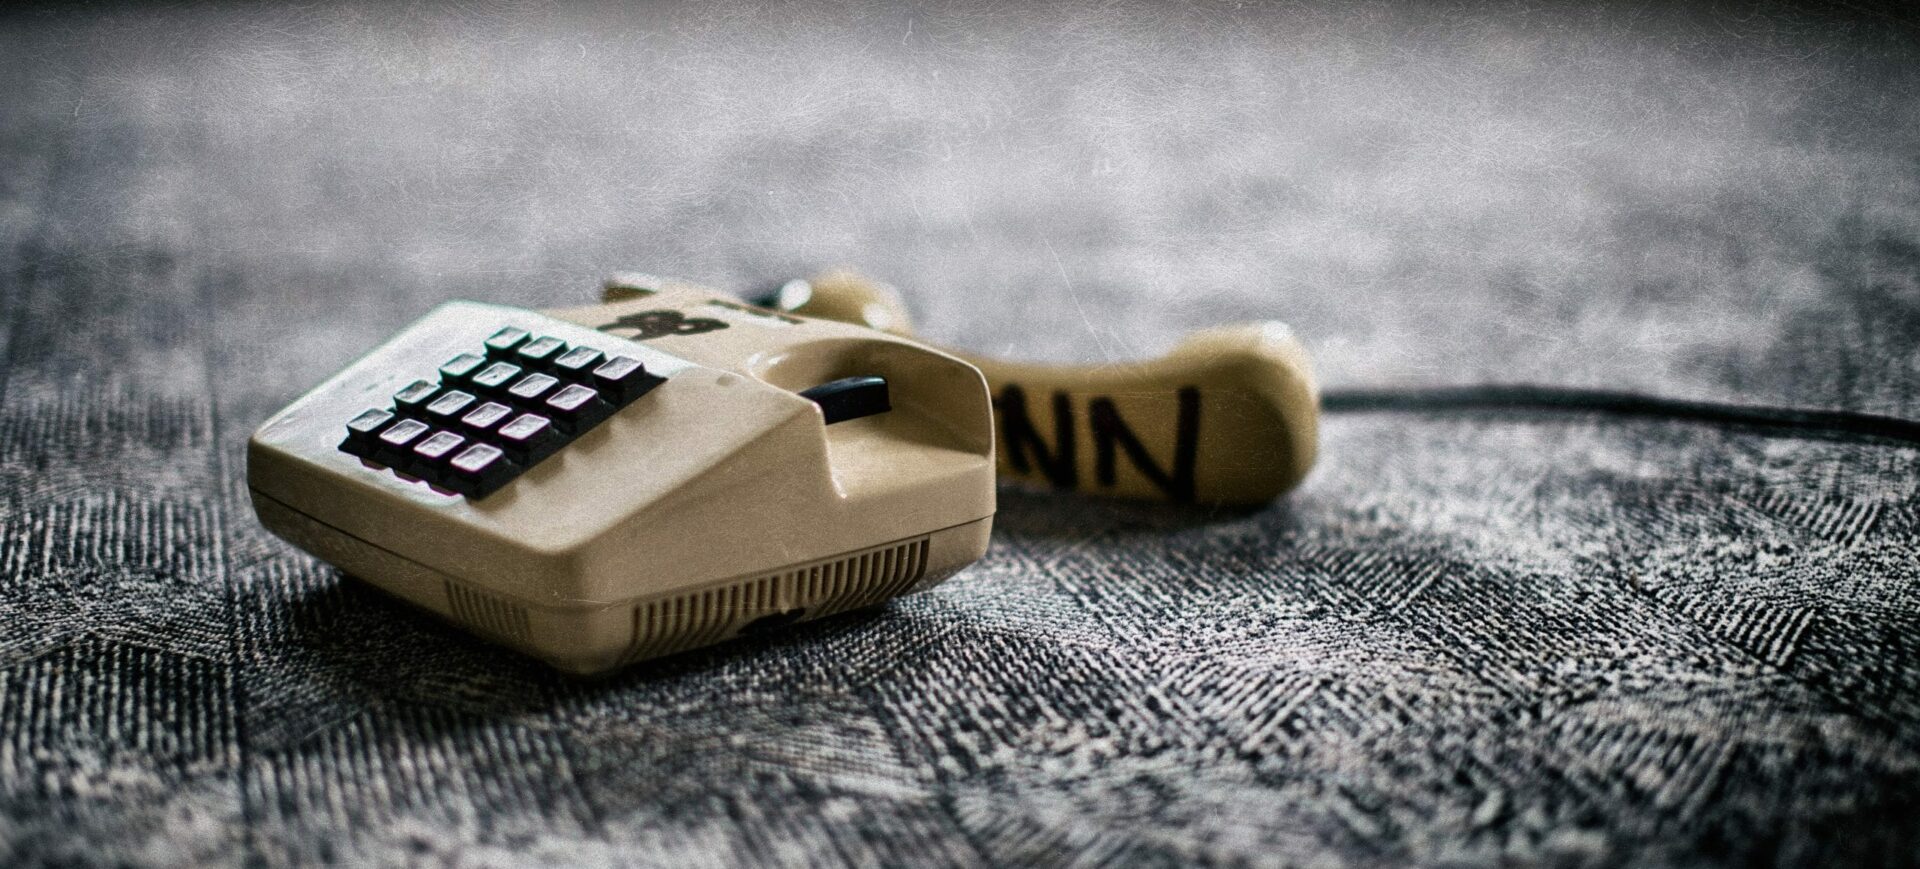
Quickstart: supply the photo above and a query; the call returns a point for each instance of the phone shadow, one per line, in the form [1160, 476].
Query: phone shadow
[1032, 512]
[346, 649]
[341, 648]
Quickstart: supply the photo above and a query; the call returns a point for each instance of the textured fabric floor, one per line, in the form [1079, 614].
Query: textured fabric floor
[1468, 638]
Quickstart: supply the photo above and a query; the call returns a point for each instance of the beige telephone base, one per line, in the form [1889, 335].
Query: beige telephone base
[600, 485]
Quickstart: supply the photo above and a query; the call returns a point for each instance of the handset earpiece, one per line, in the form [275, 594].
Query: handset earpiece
[1230, 415]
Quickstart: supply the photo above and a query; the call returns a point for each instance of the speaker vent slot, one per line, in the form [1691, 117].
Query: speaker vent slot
[860, 580]
[487, 613]
[669, 625]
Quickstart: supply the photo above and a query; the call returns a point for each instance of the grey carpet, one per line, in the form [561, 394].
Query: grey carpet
[1470, 638]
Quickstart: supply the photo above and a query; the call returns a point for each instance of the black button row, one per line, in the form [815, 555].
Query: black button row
[492, 416]
[443, 458]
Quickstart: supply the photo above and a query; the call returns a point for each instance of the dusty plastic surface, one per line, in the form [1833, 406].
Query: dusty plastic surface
[719, 501]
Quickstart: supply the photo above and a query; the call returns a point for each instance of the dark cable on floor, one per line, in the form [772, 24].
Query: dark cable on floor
[1842, 424]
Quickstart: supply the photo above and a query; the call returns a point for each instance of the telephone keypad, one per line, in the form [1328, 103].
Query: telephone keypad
[493, 415]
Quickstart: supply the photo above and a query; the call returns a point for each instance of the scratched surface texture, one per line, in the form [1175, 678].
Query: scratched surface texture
[1467, 639]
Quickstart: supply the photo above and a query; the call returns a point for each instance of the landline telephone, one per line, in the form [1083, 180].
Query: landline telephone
[673, 467]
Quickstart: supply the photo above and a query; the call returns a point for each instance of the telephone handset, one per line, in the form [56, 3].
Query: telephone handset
[601, 485]
[1229, 416]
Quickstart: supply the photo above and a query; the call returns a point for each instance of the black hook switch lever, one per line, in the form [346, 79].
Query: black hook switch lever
[850, 397]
